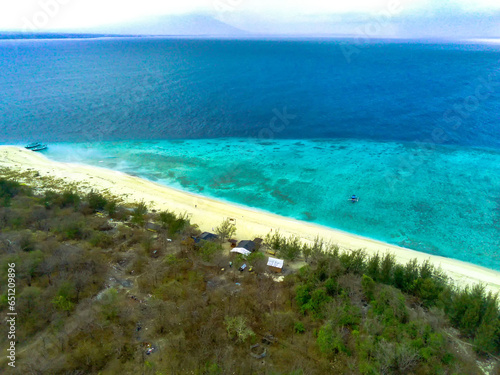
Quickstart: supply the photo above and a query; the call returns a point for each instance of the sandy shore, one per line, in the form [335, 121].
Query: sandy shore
[209, 213]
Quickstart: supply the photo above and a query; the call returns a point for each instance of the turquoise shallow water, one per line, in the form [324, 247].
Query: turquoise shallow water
[442, 200]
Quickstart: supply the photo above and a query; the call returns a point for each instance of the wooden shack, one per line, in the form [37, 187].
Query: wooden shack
[275, 265]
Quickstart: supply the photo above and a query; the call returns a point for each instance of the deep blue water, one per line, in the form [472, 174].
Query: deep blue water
[292, 127]
[157, 88]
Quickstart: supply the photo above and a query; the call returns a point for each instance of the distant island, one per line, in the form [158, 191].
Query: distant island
[22, 35]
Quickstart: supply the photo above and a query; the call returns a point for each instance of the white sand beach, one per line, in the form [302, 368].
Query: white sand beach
[209, 213]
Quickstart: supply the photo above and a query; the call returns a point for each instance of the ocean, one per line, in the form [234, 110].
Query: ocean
[293, 127]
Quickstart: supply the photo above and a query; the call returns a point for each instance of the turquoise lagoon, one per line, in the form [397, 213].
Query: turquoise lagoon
[442, 200]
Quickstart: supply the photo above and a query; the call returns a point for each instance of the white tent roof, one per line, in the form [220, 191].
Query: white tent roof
[241, 250]
[273, 262]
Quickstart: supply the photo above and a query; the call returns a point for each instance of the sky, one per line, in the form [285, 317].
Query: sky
[272, 16]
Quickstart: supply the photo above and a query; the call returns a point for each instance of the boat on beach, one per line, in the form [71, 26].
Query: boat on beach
[39, 148]
[33, 145]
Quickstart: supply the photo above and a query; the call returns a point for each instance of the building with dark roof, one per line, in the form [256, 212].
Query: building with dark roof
[206, 236]
[249, 245]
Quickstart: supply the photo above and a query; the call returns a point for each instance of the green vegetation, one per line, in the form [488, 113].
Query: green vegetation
[226, 230]
[286, 248]
[173, 223]
[98, 293]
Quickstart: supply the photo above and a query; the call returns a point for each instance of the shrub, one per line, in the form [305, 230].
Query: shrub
[428, 290]
[178, 225]
[354, 261]
[70, 198]
[64, 299]
[167, 218]
[396, 358]
[147, 243]
[390, 303]
[302, 295]
[63, 303]
[8, 190]
[467, 309]
[96, 201]
[256, 257]
[26, 242]
[208, 250]
[275, 240]
[387, 268]
[487, 339]
[90, 355]
[102, 240]
[373, 267]
[329, 341]
[50, 199]
[398, 277]
[290, 249]
[212, 369]
[299, 327]
[108, 303]
[111, 207]
[332, 287]
[72, 230]
[426, 270]
[315, 305]
[139, 214]
[368, 286]
[342, 313]
[476, 314]
[411, 274]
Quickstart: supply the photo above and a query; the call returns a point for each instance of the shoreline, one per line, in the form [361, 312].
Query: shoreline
[209, 213]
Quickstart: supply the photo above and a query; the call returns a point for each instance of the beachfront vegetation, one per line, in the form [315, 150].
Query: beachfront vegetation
[225, 230]
[100, 293]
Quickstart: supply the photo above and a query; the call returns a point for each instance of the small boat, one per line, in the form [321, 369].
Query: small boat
[33, 145]
[354, 199]
[39, 148]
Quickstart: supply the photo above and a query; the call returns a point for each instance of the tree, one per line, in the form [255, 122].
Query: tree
[109, 304]
[237, 328]
[290, 249]
[63, 303]
[70, 198]
[64, 299]
[167, 218]
[368, 286]
[96, 201]
[329, 341]
[28, 299]
[225, 230]
[139, 214]
[8, 190]
[208, 250]
[275, 240]
[307, 252]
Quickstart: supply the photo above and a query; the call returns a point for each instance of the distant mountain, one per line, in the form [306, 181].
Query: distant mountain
[195, 25]
[5, 35]
[445, 22]
[450, 25]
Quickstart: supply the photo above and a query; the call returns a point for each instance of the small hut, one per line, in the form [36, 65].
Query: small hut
[275, 265]
[249, 245]
[205, 236]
